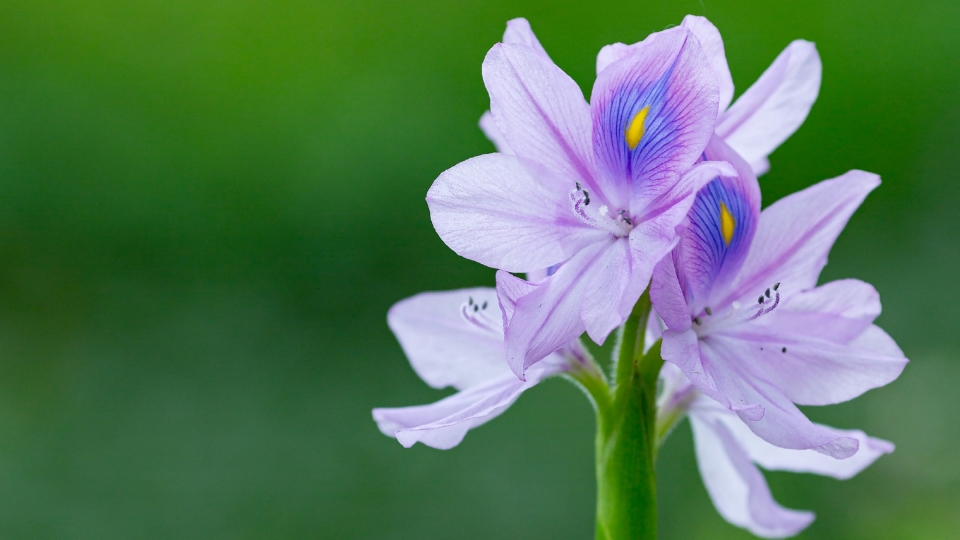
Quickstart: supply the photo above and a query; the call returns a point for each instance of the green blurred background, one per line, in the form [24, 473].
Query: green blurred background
[207, 206]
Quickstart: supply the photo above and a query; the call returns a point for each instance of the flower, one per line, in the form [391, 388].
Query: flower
[728, 454]
[748, 325]
[592, 192]
[769, 111]
[455, 338]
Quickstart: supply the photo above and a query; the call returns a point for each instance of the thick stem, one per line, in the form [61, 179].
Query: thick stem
[626, 438]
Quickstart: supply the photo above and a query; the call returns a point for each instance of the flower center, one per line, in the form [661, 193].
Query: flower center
[706, 322]
[618, 224]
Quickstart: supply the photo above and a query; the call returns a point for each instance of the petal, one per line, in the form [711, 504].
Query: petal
[719, 230]
[504, 212]
[510, 289]
[489, 128]
[653, 114]
[876, 340]
[736, 487]
[672, 381]
[611, 53]
[795, 234]
[782, 423]
[775, 106]
[808, 461]
[540, 111]
[667, 296]
[547, 315]
[848, 298]
[683, 349]
[775, 458]
[444, 424]
[654, 331]
[809, 369]
[519, 31]
[614, 284]
[712, 44]
[445, 347]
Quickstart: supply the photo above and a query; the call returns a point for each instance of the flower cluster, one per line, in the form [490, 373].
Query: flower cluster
[651, 188]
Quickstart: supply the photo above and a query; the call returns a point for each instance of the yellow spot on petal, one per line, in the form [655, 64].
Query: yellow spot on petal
[727, 223]
[636, 128]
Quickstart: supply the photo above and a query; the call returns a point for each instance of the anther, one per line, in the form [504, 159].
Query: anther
[783, 350]
[760, 300]
[470, 300]
[484, 306]
[697, 320]
[476, 308]
[776, 285]
[586, 198]
[707, 310]
[578, 186]
[767, 293]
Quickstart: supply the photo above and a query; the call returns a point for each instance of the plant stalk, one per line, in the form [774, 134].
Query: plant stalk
[626, 437]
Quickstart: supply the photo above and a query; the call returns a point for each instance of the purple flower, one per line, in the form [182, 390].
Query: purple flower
[768, 112]
[728, 454]
[455, 338]
[592, 192]
[746, 322]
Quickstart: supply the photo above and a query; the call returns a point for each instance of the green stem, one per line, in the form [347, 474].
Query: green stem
[590, 378]
[626, 438]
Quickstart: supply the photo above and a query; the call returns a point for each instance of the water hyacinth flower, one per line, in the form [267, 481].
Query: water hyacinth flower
[748, 325]
[654, 181]
[593, 192]
[728, 454]
[455, 338]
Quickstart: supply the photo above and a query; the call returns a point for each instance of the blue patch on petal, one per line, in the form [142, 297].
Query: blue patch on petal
[630, 99]
[722, 223]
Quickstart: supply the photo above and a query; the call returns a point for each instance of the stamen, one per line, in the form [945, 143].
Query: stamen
[764, 310]
[767, 293]
[618, 225]
[477, 318]
[776, 285]
[733, 317]
[484, 305]
[783, 350]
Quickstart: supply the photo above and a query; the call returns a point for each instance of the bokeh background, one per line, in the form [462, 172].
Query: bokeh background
[207, 207]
